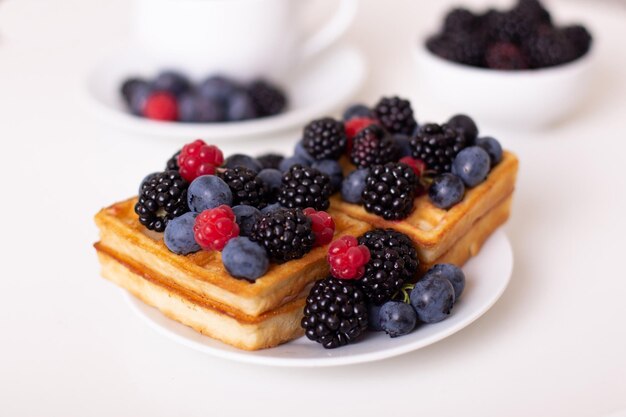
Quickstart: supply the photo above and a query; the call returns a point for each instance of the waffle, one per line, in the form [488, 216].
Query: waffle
[203, 273]
[438, 233]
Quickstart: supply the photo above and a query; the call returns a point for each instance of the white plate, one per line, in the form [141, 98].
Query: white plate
[318, 88]
[487, 276]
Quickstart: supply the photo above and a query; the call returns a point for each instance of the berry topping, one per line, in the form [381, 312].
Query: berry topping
[493, 148]
[393, 263]
[354, 126]
[417, 165]
[286, 234]
[246, 217]
[172, 163]
[215, 227]
[270, 160]
[241, 160]
[245, 259]
[396, 115]
[305, 187]
[331, 168]
[347, 258]
[446, 190]
[390, 190]
[324, 139]
[161, 106]
[357, 111]
[335, 313]
[373, 145]
[472, 165]
[207, 192]
[353, 185]
[322, 224]
[437, 146]
[178, 236]
[465, 126]
[197, 158]
[245, 186]
[162, 197]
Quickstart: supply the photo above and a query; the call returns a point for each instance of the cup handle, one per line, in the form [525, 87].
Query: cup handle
[329, 33]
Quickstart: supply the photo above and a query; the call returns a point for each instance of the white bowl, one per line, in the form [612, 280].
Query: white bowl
[524, 99]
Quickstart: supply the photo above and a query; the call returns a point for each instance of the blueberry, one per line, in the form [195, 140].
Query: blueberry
[206, 192]
[404, 144]
[241, 160]
[452, 273]
[472, 165]
[246, 217]
[465, 125]
[178, 236]
[373, 317]
[138, 98]
[218, 87]
[270, 160]
[128, 88]
[270, 208]
[446, 190]
[273, 178]
[299, 150]
[331, 168]
[208, 110]
[172, 82]
[287, 163]
[244, 258]
[240, 106]
[356, 111]
[493, 148]
[397, 318]
[187, 108]
[432, 299]
[353, 185]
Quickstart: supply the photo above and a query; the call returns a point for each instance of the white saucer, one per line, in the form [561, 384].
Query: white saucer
[487, 275]
[318, 88]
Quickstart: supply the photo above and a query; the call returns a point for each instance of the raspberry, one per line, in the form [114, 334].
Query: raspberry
[417, 164]
[215, 227]
[347, 259]
[197, 158]
[322, 224]
[161, 106]
[354, 126]
[505, 56]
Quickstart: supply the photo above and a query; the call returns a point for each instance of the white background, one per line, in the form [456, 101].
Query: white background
[554, 345]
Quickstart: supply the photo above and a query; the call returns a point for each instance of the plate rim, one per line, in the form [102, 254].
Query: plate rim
[248, 356]
[233, 131]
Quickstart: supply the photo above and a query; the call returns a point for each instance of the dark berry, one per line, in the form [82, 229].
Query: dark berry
[286, 234]
[324, 139]
[396, 115]
[245, 259]
[472, 165]
[452, 273]
[331, 168]
[305, 187]
[218, 87]
[579, 37]
[335, 313]
[240, 106]
[432, 299]
[390, 190]
[171, 81]
[357, 111]
[246, 217]
[178, 236]
[353, 185]
[437, 146]
[172, 163]
[373, 146]
[548, 48]
[460, 20]
[505, 56]
[493, 148]
[446, 190]
[467, 49]
[241, 160]
[465, 125]
[397, 318]
[270, 160]
[246, 188]
[163, 197]
[268, 99]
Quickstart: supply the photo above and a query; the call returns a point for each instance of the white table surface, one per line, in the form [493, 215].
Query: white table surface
[554, 345]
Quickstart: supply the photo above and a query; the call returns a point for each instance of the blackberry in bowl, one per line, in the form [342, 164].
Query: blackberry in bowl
[513, 68]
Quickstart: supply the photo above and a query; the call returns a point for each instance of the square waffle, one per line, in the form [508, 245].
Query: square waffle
[442, 235]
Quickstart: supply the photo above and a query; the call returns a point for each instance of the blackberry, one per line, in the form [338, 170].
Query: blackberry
[305, 187]
[268, 99]
[393, 263]
[511, 26]
[460, 20]
[335, 313]
[172, 163]
[162, 197]
[270, 160]
[467, 49]
[534, 11]
[548, 48]
[247, 189]
[396, 115]
[579, 37]
[390, 190]
[437, 146]
[325, 139]
[286, 234]
[373, 145]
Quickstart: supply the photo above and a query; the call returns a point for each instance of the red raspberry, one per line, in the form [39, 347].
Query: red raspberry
[161, 106]
[322, 224]
[347, 259]
[215, 227]
[417, 164]
[197, 158]
[354, 126]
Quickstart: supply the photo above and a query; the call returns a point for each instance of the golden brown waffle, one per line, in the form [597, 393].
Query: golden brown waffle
[434, 230]
[203, 272]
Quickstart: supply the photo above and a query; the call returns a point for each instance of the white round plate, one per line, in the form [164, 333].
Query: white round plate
[487, 276]
[319, 87]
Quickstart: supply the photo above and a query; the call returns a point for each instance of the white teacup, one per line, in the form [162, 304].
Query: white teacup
[239, 38]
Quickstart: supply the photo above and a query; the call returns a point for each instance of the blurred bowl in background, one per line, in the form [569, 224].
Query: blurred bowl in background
[524, 99]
